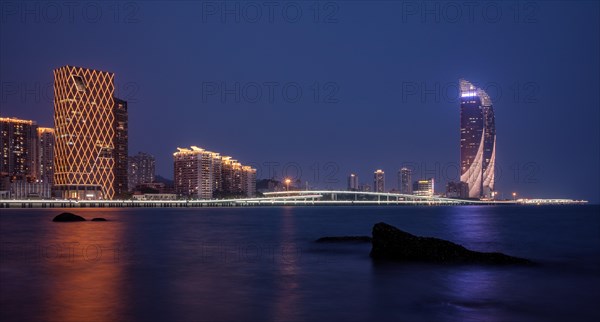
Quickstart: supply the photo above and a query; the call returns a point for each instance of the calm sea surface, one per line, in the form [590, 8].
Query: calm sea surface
[261, 264]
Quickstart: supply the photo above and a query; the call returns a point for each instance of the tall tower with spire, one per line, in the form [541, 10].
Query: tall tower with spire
[477, 140]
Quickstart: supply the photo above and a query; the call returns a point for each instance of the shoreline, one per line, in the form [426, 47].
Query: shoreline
[268, 202]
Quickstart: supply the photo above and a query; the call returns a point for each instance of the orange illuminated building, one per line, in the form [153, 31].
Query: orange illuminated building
[84, 122]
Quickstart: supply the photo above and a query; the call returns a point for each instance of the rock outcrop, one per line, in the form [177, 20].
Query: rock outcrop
[392, 243]
[67, 217]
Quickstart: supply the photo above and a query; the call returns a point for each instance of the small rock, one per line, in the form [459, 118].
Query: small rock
[99, 219]
[67, 217]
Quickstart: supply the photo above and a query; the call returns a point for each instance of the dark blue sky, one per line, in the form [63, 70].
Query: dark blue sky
[386, 75]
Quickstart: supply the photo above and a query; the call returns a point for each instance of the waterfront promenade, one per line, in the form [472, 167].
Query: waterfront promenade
[284, 198]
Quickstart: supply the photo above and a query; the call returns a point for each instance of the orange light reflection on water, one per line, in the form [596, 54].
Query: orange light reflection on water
[86, 265]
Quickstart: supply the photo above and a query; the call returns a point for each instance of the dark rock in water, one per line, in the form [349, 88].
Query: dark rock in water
[67, 217]
[341, 239]
[392, 243]
[99, 219]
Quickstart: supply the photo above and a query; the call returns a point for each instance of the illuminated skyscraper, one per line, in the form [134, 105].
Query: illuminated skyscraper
[84, 124]
[379, 181]
[18, 144]
[405, 181]
[477, 140]
[352, 182]
[120, 147]
[46, 154]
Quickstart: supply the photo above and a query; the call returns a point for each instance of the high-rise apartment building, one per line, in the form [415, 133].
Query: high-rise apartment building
[405, 181]
[379, 181]
[86, 122]
[186, 166]
[236, 179]
[195, 171]
[19, 148]
[477, 140]
[46, 154]
[120, 147]
[248, 181]
[26, 164]
[142, 169]
[353, 182]
[202, 174]
[230, 176]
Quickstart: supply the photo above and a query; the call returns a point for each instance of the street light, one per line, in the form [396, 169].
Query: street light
[514, 195]
[287, 183]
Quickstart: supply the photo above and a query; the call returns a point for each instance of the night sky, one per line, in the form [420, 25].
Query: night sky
[378, 82]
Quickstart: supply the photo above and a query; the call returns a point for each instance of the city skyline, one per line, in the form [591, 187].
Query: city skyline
[299, 160]
[404, 99]
[477, 123]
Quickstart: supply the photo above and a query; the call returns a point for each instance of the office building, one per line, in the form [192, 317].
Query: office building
[424, 187]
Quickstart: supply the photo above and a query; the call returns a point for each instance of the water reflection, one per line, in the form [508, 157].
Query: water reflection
[82, 270]
[286, 276]
[208, 273]
[474, 227]
[246, 264]
[473, 294]
[471, 291]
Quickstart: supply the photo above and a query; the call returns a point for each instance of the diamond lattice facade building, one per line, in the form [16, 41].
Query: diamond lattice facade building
[84, 122]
